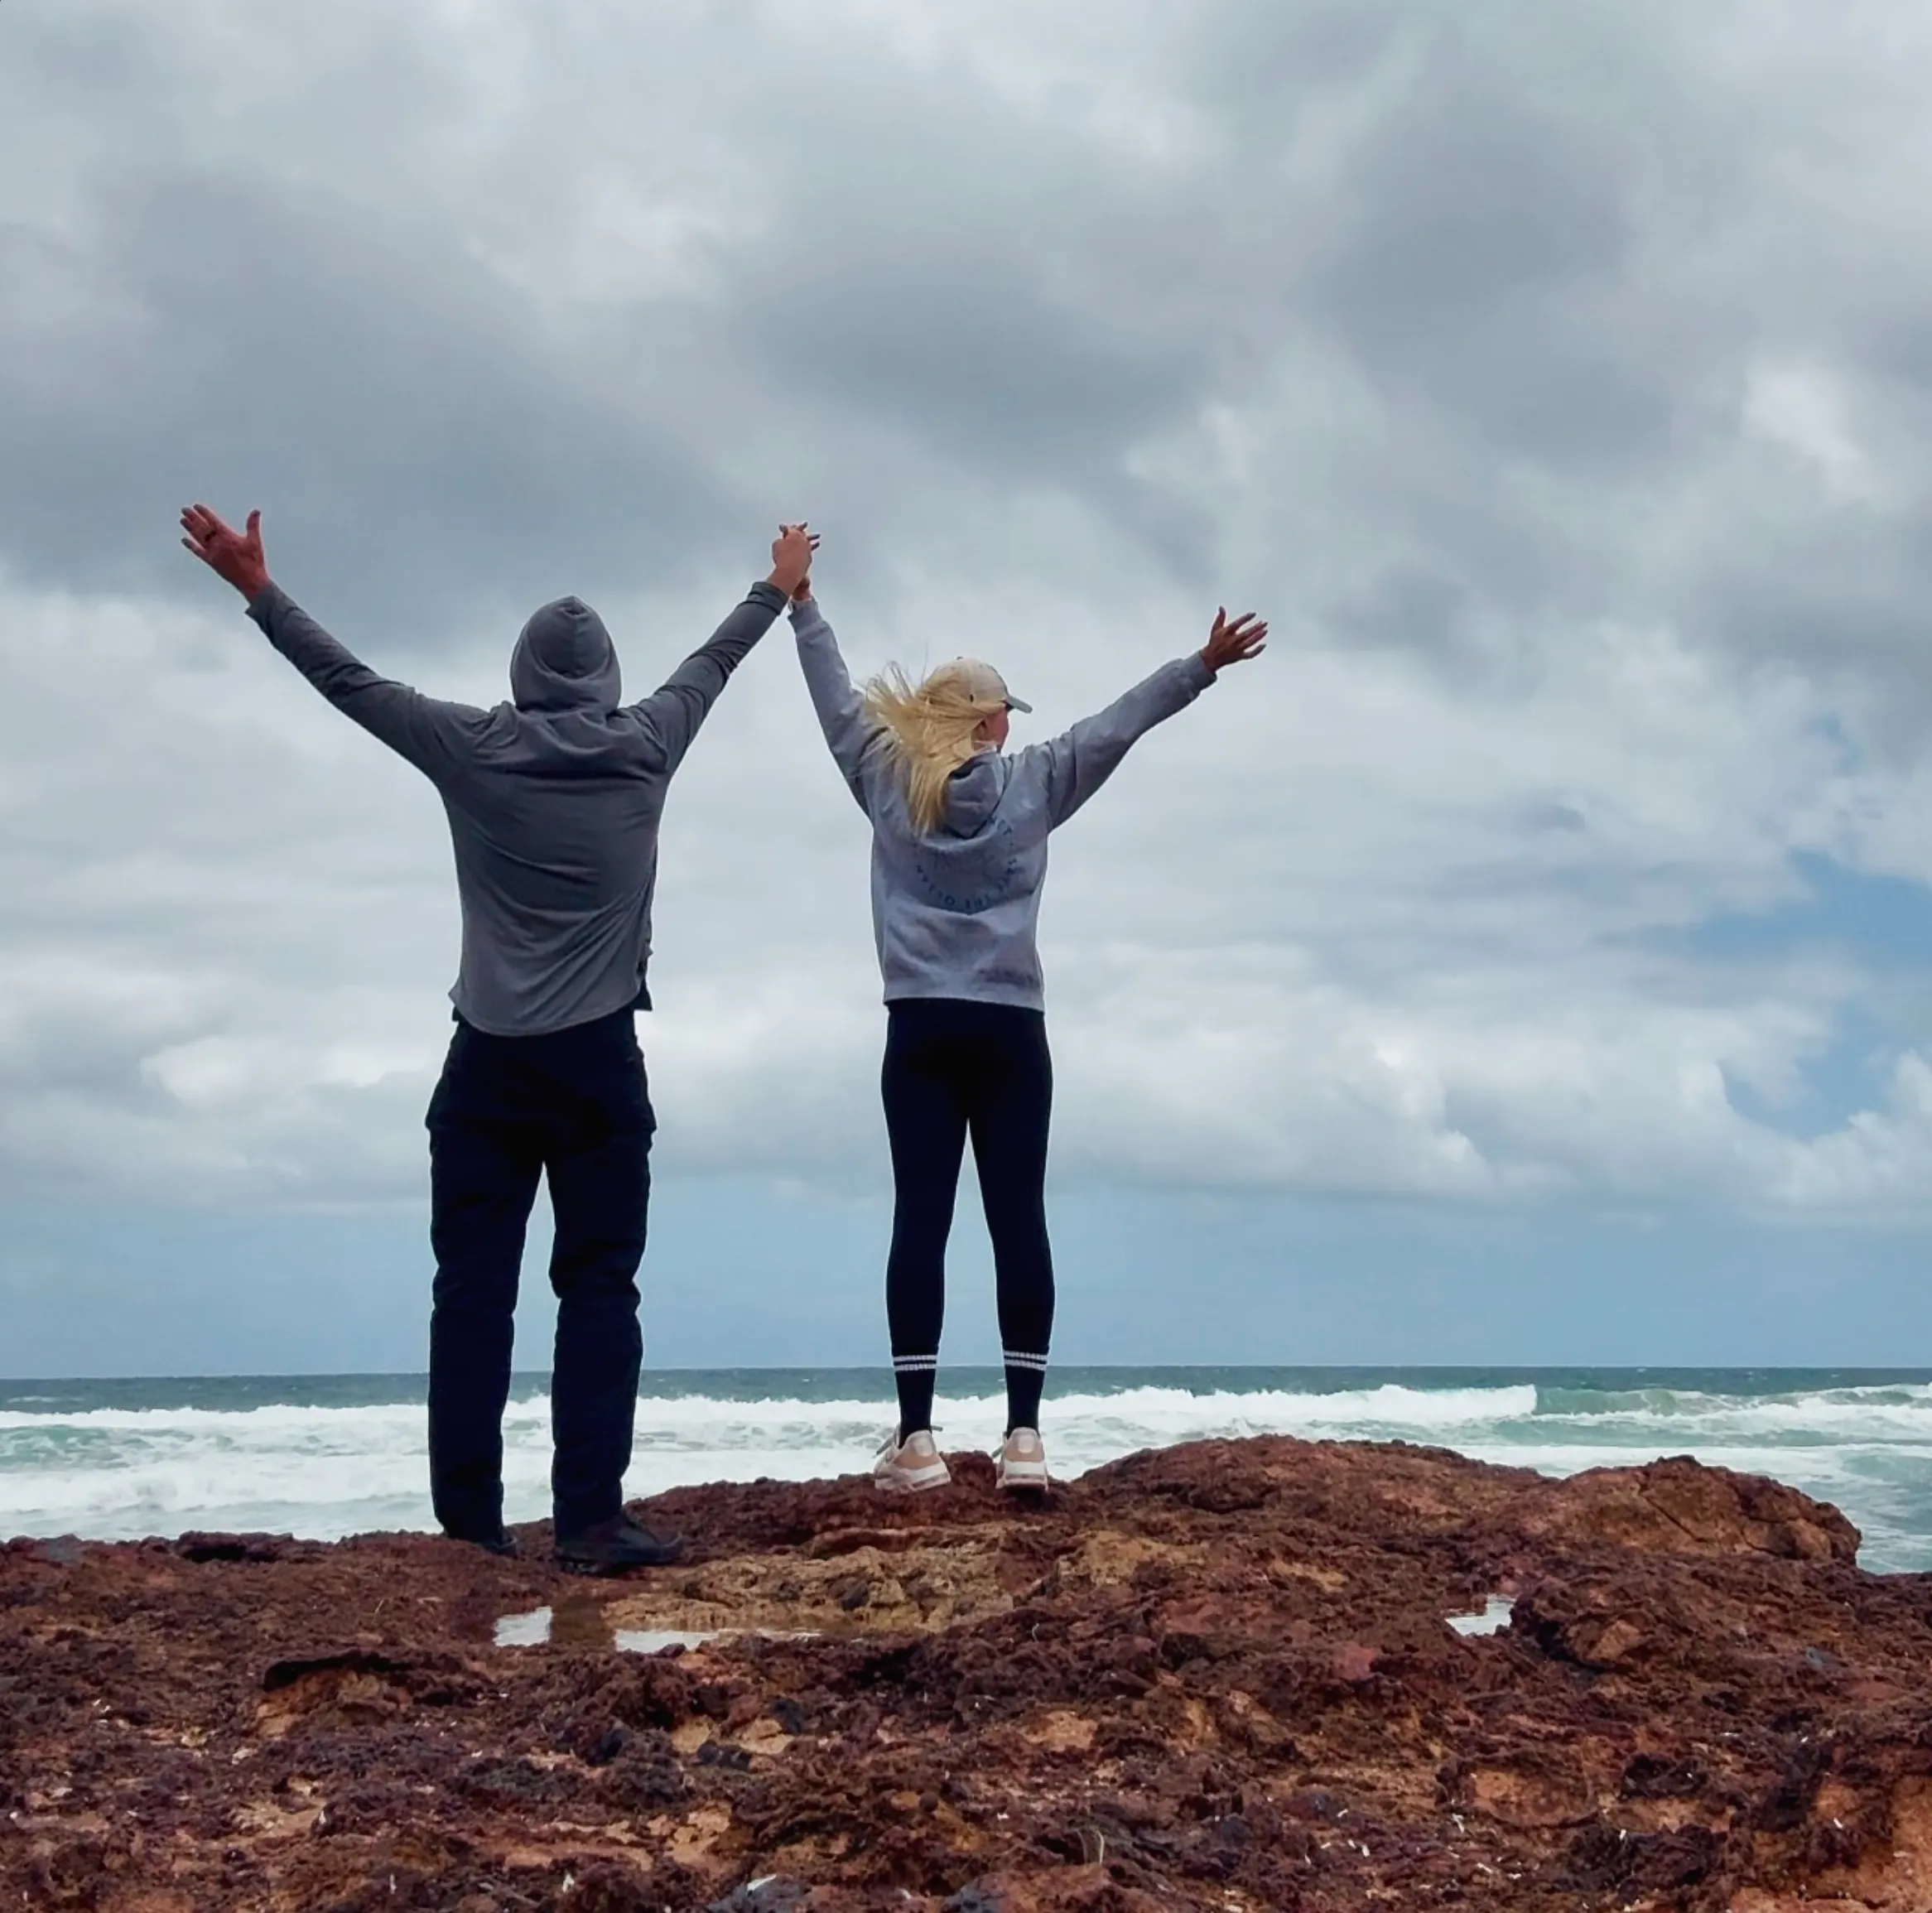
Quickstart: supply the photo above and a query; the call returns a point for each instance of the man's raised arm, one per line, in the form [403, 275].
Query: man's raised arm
[429, 733]
[674, 711]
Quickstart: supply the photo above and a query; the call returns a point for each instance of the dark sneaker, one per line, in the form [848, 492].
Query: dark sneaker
[614, 1546]
[501, 1543]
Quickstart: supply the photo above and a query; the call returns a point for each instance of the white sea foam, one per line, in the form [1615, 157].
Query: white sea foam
[326, 1470]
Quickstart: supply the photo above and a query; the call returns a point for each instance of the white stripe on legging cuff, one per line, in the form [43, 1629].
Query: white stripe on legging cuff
[917, 1364]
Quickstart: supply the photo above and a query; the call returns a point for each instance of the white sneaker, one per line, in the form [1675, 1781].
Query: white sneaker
[1020, 1462]
[910, 1467]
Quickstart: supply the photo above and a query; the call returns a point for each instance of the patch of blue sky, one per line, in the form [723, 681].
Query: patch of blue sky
[1885, 922]
[1853, 1072]
[1881, 926]
[740, 1274]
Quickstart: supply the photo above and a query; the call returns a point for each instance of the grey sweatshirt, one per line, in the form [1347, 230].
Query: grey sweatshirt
[553, 799]
[955, 914]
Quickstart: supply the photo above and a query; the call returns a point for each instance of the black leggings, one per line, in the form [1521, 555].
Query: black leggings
[949, 1067]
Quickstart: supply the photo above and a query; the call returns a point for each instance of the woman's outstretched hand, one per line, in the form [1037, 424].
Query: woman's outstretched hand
[1234, 640]
[235, 556]
[792, 550]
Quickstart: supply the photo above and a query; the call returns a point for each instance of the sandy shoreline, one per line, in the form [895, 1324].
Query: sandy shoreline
[1217, 1676]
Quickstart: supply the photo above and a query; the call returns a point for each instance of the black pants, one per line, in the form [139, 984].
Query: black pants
[951, 1067]
[574, 1106]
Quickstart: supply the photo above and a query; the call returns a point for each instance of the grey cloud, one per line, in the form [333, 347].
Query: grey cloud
[1062, 331]
[1467, 222]
[414, 440]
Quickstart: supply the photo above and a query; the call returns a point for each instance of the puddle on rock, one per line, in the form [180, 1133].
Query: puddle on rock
[584, 1624]
[1495, 1617]
[530, 1630]
[656, 1640]
[848, 1583]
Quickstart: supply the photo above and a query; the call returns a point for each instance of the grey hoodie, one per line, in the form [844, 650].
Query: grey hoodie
[553, 800]
[955, 914]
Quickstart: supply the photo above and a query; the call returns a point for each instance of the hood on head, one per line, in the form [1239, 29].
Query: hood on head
[565, 661]
[973, 793]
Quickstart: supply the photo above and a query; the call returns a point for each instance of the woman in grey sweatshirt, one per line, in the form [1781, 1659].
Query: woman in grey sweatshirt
[959, 854]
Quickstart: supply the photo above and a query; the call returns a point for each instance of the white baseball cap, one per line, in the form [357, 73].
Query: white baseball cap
[981, 684]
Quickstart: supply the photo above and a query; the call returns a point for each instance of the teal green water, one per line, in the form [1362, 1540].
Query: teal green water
[328, 1455]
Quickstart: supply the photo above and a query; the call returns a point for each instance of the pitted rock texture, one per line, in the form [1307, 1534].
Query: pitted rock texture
[1218, 1676]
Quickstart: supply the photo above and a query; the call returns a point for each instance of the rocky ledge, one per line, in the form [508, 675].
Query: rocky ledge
[1218, 1676]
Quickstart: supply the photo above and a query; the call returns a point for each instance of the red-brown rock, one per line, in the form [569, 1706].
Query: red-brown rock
[1217, 1676]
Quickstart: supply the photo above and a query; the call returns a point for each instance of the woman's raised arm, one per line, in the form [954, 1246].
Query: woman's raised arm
[856, 741]
[1075, 765]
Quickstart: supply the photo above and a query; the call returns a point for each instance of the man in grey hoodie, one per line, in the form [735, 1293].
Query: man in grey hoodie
[553, 802]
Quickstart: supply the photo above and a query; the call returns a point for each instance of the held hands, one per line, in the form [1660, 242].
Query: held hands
[1234, 641]
[792, 553]
[229, 554]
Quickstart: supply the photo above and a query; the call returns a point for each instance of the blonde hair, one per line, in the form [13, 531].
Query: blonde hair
[930, 730]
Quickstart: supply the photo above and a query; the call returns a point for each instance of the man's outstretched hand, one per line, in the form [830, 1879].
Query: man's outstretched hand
[1234, 640]
[235, 556]
[792, 550]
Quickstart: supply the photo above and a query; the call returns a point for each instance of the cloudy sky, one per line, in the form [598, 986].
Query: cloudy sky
[1526, 960]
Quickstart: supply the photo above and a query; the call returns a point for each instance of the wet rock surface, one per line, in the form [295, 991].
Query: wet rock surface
[1215, 1676]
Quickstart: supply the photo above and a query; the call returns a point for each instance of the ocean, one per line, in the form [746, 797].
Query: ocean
[330, 1455]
